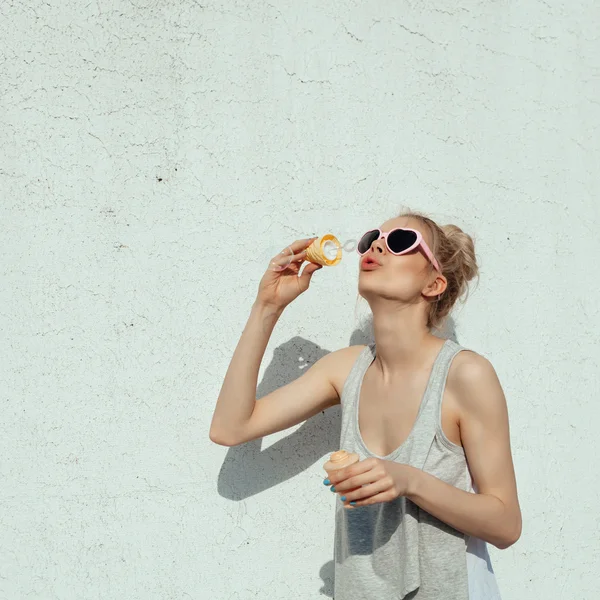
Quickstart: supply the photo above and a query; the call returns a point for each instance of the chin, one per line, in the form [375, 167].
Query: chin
[367, 290]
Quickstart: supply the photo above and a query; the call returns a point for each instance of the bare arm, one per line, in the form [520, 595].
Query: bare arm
[317, 389]
[493, 514]
[237, 397]
[314, 391]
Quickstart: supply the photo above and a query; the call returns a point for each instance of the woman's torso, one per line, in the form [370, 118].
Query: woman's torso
[385, 423]
[395, 549]
[383, 429]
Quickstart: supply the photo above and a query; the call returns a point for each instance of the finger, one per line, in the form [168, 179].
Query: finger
[299, 257]
[289, 255]
[355, 482]
[307, 273]
[281, 261]
[358, 468]
[365, 491]
[289, 261]
[385, 496]
[300, 245]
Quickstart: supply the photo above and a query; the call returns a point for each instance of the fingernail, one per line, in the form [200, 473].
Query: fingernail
[327, 482]
[343, 498]
[332, 488]
[353, 502]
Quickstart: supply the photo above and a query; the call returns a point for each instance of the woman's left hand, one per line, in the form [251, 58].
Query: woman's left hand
[381, 481]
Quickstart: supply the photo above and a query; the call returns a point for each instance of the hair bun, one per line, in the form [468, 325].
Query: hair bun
[464, 250]
[455, 251]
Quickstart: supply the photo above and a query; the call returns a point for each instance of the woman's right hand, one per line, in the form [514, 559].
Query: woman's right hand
[278, 288]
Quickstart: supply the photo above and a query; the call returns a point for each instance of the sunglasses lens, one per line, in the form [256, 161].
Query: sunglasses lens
[400, 240]
[366, 240]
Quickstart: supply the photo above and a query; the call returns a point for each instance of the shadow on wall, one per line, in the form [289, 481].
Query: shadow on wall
[248, 470]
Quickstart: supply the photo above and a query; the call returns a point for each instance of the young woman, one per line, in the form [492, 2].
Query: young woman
[427, 417]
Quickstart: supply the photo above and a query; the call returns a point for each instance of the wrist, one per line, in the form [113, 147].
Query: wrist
[267, 310]
[413, 480]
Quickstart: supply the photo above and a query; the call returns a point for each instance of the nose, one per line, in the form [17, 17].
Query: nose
[378, 246]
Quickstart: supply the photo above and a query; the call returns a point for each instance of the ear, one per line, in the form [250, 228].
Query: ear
[435, 288]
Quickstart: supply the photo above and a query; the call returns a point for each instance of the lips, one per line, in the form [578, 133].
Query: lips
[369, 262]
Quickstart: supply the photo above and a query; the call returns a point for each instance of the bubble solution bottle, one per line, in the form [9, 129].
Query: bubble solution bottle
[339, 460]
[325, 250]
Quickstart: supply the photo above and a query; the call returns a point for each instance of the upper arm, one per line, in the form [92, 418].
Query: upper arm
[484, 429]
[315, 390]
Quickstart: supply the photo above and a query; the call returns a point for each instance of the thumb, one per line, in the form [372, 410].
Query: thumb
[307, 273]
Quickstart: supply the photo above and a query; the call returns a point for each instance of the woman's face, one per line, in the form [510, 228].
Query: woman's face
[402, 278]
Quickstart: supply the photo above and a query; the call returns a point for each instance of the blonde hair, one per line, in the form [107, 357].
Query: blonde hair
[455, 252]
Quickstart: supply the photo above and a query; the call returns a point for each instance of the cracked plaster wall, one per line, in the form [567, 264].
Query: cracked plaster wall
[156, 154]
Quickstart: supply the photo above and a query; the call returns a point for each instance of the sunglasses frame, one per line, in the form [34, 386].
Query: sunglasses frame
[418, 242]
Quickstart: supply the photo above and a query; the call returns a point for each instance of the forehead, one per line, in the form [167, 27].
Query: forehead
[410, 223]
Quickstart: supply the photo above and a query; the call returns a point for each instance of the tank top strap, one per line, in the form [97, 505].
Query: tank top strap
[426, 425]
[439, 377]
[357, 371]
[349, 399]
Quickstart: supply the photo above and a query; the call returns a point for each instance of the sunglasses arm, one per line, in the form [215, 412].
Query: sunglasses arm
[430, 255]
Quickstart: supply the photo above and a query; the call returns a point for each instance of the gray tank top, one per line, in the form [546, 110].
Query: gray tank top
[395, 550]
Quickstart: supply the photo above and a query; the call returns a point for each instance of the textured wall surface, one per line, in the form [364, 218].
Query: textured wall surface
[154, 155]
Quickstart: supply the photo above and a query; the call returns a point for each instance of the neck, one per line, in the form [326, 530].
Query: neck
[402, 340]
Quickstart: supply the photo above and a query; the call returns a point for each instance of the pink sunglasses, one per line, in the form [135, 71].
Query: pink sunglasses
[398, 241]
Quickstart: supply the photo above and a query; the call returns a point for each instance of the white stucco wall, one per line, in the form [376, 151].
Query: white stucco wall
[154, 155]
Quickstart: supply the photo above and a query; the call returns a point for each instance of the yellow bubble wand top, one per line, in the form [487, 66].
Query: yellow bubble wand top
[326, 251]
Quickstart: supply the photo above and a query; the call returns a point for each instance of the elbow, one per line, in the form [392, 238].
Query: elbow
[509, 536]
[220, 439]
[505, 542]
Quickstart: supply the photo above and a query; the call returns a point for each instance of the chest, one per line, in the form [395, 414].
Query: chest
[388, 413]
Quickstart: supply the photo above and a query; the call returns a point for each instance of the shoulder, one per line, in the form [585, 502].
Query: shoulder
[474, 383]
[468, 368]
[339, 364]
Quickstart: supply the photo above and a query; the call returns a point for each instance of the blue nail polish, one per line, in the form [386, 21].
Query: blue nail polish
[327, 482]
[332, 488]
[343, 498]
[353, 502]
